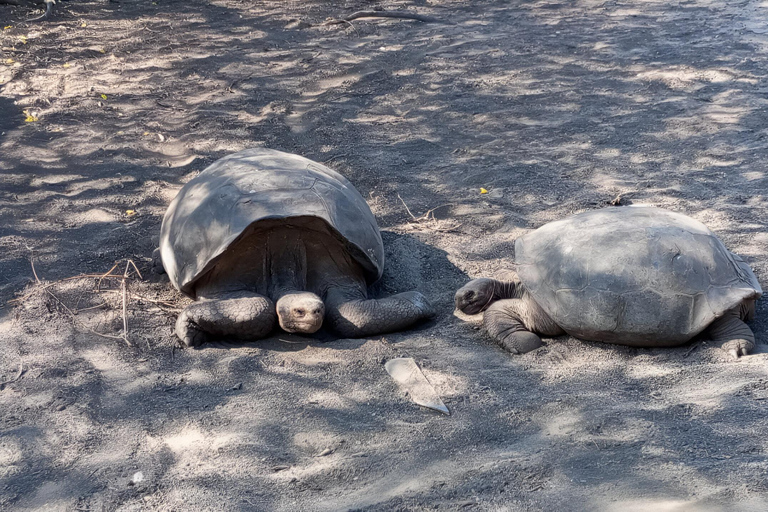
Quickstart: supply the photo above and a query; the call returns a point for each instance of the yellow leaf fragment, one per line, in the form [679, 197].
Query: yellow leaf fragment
[101, 50]
[30, 118]
[83, 24]
[66, 65]
[130, 212]
[7, 27]
[103, 96]
[8, 61]
[23, 39]
[483, 191]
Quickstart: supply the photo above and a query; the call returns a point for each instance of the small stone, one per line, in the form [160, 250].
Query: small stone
[325, 452]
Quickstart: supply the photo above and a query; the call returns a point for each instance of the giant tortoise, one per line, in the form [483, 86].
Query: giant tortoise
[638, 276]
[262, 236]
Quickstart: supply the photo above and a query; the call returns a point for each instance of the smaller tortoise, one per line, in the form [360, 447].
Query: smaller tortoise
[638, 276]
[262, 236]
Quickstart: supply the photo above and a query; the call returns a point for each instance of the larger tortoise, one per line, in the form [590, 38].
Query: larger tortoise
[263, 237]
[638, 276]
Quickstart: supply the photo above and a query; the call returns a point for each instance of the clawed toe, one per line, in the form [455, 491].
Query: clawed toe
[189, 333]
[738, 348]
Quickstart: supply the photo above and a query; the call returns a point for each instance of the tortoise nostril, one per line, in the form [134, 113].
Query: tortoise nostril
[299, 312]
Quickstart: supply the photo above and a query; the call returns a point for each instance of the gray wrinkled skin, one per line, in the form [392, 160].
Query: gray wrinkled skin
[637, 276]
[263, 238]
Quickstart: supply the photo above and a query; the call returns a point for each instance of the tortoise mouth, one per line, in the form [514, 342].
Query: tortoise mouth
[301, 327]
[300, 312]
[470, 309]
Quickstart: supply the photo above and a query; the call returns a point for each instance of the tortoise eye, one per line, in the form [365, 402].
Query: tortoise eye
[300, 312]
[470, 295]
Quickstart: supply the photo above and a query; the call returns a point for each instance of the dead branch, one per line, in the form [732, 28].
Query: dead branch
[54, 283]
[382, 14]
[429, 215]
[123, 285]
[407, 209]
[75, 320]
[428, 219]
[167, 305]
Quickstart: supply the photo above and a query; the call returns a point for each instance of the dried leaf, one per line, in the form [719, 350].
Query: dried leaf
[483, 191]
[407, 373]
[7, 27]
[103, 96]
[23, 39]
[130, 212]
[66, 65]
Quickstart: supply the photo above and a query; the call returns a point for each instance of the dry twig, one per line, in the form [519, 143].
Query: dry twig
[17, 377]
[428, 219]
[124, 278]
[382, 14]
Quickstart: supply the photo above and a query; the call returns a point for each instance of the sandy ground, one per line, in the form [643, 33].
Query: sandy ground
[553, 107]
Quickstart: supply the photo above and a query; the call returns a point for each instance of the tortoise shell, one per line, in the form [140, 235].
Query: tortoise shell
[623, 274]
[229, 198]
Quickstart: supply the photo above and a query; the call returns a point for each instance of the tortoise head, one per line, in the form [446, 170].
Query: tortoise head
[300, 312]
[475, 296]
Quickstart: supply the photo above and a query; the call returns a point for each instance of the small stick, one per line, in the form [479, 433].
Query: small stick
[448, 230]
[142, 297]
[48, 10]
[17, 377]
[426, 216]
[407, 209]
[74, 319]
[382, 14]
[690, 350]
[108, 273]
[92, 307]
[124, 288]
[353, 27]
[431, 212]
[32, 262]
[54, 283]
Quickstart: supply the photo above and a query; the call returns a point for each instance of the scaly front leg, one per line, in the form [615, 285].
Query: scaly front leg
[241, 315]
[352, 315]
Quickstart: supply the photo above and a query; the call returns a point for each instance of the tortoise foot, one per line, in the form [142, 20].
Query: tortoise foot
[189, 332]
[520, 342]
[738, 348]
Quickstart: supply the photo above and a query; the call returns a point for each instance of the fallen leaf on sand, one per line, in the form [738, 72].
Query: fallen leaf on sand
[483, 191]
[408, 375]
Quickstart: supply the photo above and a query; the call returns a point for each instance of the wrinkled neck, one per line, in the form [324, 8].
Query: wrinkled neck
[508, 289]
